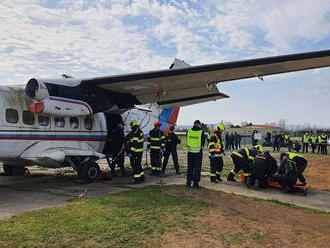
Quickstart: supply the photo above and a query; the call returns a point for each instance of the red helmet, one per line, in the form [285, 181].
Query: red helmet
[157, 123]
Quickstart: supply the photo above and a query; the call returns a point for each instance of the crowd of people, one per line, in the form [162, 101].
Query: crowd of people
[308, 141]
[258, 167]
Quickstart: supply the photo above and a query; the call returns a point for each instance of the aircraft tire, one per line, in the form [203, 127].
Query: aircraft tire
[89, 172]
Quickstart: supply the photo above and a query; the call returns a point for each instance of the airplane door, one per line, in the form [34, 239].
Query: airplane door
[112, 120]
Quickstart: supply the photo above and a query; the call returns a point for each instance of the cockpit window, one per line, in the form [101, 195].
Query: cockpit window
[28, 118]
[74, 122]
[88, 122]
[11, 115]
[59, 122]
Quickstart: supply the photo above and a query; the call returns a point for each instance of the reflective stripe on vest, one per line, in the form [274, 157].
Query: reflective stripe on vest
[194, 140]
[238, 154]
[248, 153]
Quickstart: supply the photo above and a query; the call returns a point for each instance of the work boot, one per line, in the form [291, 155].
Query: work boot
[178, 172]
[231, 177]
[142, 178]
[219, 178]
[188, 184]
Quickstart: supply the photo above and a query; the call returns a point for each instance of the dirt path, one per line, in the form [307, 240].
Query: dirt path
[233, 221]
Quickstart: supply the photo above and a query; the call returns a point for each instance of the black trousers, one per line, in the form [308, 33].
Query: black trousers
[216, 166]
[276, 146]
[167, 154]
[155, 160]
[136, 160]
[240, 164]
[194, 167]
[305, 147]
[285, 181]
[301, 166]
[324, 149]
[313, 147]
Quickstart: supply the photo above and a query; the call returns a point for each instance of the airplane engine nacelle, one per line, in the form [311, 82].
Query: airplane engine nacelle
[36, 90]
[59, 106]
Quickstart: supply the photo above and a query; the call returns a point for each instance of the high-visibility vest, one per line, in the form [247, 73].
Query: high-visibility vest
[194, 140]
[324, 139]
[293, 155]
[306, 138]
[313, 138]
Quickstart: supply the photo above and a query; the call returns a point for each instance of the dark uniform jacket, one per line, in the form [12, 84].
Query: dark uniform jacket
[156, 139]
[246, 153]
[288, 169]
[135, 140]
[171, 141]
[264, 164]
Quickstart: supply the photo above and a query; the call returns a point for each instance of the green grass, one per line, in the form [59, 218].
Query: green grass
[128, 219]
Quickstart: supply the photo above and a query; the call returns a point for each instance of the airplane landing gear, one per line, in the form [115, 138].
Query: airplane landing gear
[89, 172]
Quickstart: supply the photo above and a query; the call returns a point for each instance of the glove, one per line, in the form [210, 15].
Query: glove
[224, 154]
[212, 156]
[129, 155]
[161, 150]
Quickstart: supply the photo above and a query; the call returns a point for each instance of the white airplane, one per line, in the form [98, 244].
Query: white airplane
[65, 122]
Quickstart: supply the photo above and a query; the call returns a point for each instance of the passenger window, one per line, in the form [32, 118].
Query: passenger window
[11, 115]
[43, 120]
[59, 122]
[88, 123]
[74, 122]
[28, 118]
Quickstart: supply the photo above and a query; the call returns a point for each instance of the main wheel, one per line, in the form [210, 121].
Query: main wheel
[89, 172]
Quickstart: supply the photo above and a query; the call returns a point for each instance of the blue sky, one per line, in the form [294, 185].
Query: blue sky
[45, 38]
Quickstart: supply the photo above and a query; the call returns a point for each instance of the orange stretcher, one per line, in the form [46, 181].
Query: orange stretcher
[296, 187]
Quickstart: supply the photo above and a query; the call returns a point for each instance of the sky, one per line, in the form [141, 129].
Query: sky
[46, 38]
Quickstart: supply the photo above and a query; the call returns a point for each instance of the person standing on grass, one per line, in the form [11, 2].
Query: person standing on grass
[195, 144]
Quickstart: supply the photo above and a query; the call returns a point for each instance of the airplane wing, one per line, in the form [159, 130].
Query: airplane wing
[191, 84]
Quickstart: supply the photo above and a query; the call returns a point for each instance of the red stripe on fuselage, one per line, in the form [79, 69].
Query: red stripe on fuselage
[41, 138]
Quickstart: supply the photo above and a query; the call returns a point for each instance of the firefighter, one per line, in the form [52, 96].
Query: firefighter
[287, 138]
[305, 139]
[117, 149]
[287, 173]
[156, 144]
[242, 159]
[323, 143]
[301, 164]
[135, 141]
[215, 154]
[313, 139]
[195, 144]
[171, 142]
[263, 167]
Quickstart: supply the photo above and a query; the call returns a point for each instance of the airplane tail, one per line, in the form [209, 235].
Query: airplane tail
[168, 118]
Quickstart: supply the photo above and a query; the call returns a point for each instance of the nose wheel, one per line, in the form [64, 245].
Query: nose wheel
[89, 172]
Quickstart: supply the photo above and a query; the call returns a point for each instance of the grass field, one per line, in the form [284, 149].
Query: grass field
[166, 216]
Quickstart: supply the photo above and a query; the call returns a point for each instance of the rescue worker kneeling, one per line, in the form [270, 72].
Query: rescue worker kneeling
[301, 164]
[135, 141]
[242, 159]
[286, 174]
[215, 154]
[156, 143]
[263, 167]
